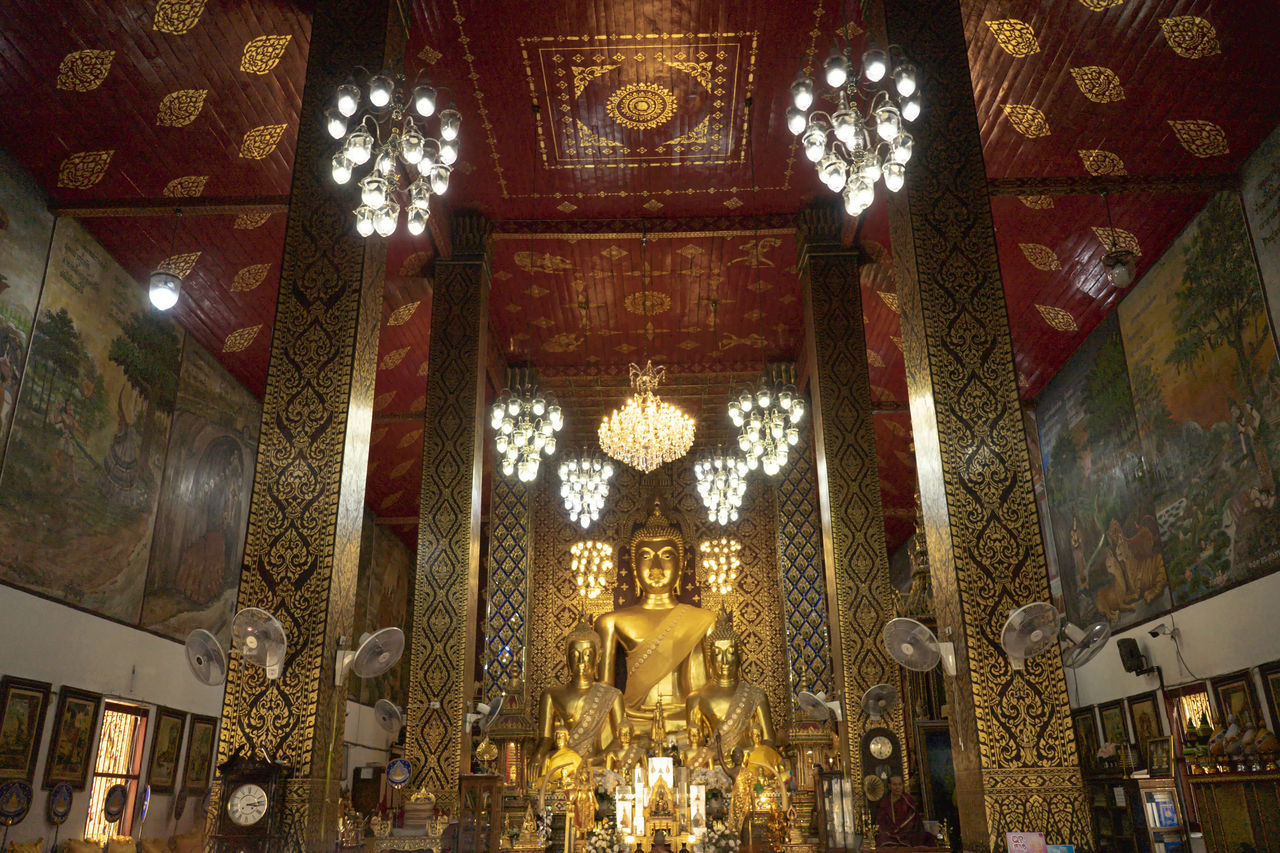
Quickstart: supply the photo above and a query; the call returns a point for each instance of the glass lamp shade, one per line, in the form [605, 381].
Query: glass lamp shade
[450, 125]
[360, 147]
[384, 219]
[419, 194]
[802, 93]
[430, 152]
[848, 129]
[385, 163]
[874, 65]
[888, 122]
[852, 203]
[364, 220]
[911, 109]
[440, 179]
[836, 69]
[895, 176]
[411, 146]
[424, 100]
[341, 168]
[900, 151]
[373, 191]
[164, 289]
[335, 122]
[416, 220]
[448, 152]
[380, 90]
[796, 121]
[833, 172]
[904, 79]
[348, 99]
[815, 141]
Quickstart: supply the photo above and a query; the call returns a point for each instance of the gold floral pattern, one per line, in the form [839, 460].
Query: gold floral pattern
[1098, 83]
[263, 53]
[180, 265]
[1100, 5]
[890, 299]
[1190, 36]
[383, 400]
[261, 141]
[1115, 239]
[248, 278]
[390, 500]
[1201, 138]
[641, 106]
[562, 342]
[403, 468]
[1016, 37]
[544, 263]
[250, 221]
[84, 169]
[874, 359]
[177, 17]
[189, 186]
[1040, 256]
[241, 339]
[1037, 202]
[409, 438]
[1099, 162]
[403, 314]
[393, 358]
[429, 54]
[1058, 318]
[414, 264]
[1027, 120]
[566, 207]
[647, 303]
[582, 76]
[180, 108]
[84, 70]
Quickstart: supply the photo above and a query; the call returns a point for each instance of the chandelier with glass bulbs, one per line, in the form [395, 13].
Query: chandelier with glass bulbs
[584, 486]
[767, 417]
[525, 424]
[721, 561]
[863, 140]
[389, 132]
[646, 432]
[722, 483]
[591, 563]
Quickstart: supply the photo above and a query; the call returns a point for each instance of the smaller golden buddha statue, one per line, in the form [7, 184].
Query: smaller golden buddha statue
[561, 765]
[591, 712]
[726, 707]
[582, 799]
[698, 755]
[624, 753]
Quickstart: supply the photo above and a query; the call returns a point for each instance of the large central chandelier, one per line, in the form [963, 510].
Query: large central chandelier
[584, 485]
[525, 424]
[767, 417]
[722, 482]
[646, 432]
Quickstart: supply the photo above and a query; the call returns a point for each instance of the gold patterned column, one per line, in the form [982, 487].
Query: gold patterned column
[1015, 753]
[856, 562]
[445, 595]
[308, 491]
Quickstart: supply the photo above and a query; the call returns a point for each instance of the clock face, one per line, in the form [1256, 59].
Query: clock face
[881, 747]
[247, 805]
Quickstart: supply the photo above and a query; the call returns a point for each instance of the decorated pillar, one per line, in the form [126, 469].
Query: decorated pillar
[855, 559]
[506, 624]
[1015, 752]
[303, 542]
[442, 644]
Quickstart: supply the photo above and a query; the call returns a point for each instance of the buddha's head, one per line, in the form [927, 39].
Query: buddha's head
[562, 737]
[657, 555]
[720, 648]
[581, 652]
[624, 734]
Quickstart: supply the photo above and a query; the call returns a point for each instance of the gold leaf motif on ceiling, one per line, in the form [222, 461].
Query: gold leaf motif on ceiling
[177, 17]
[179, 265]
[850, 30]
[501, 275]
[688, 344]
[180, 108]
[755, 340]
[700, 71]
[84, 169]
[513, 308]
[418, 405]
[588, 138]
[733, 203]
[647, 303]
[1113, 239]
[429, 54]
[390, 499]
[641, 106]
[890, 299]
[562, 342]
[1190, 36]
[582, 77]
[189, 186]
[1016, 37]
[84, 70]
[1058, 318]
[261, 141]
[263, 53]
[1100, 5]
[249, 221]
[240, 339]
[1040, 256]
[393, 358]
[625, 348]
[544, 322]
[1098, 83]
[566, 207]
[401, 469]
[652, 205]
[1201, 138]
[409, 438]
[414, 264]
[1027, 120]
[536, 292]
[690, 250]
[874, 359]
[901, 432]
[897, 341]
[613, 252]
[694, 137]
[248, 278]
[754, 252]
[422, 368]
[378, 434]
[403, 314]
[543, 263]
[383, 400]
[1037, 202]
[1098, 162]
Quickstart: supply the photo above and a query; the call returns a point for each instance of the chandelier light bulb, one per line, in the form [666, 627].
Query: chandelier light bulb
[416, 221]
[869, 167]
[895, 176]
[448, 152]
[385, 164]
[848, 129]
[865, 192]
[440, 179]
[359, 147]
[832, 171]
[335, 122]
[888, 122]
[508, 468]
[163, 289]
[450, 125]
[904, 79]
[911, 109]
[380, 89]
[815, 141]
[385, 219]
[341, 168]
[802, 93]
[424, 100]
[373, 191]
[430, 152]
[364, 220]
[411, 146]
[797, 121]
[836, 69]
[901, 146]
[420, 194]
[348, 99]
[874, 65]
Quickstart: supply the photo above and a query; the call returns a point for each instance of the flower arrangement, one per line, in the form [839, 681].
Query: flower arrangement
[605, 839]
[719, 839]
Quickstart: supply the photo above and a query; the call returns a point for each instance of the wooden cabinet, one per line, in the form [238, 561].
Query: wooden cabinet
[1115, 808]
[1238, 809]
[1163, 815]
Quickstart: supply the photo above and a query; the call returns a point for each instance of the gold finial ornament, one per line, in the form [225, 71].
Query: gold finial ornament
[646, 432]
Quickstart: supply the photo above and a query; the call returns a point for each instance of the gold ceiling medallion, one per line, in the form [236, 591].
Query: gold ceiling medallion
[1040, 256]
[562, 342]
[646, 432]
[263, 53]
[544, 263]
[1201, 138]
[641, 106]
[583, 76]
[890, 299]
[381, 401]
[180, 108]
[1037, 202]
[647, 303]
[84, 70]
[733, 203]
[248, 278]
[1117, 239]
[83, 169]
[393, 358]
[250, 221]
[1098, 162]
[1016, 37]
[1098, 83]
[652, 205]
[1027, 120]
[261, 141]
[1058, 318]
[1190, 36]
[241, 339]
[189, 186]
[874, 359]
[566, 207]
[179, 265]
[429, 54]
[1100, 5]
[176, 17]
[403, 314]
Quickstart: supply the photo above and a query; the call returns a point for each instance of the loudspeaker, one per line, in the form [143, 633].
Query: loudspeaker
[1130, 657]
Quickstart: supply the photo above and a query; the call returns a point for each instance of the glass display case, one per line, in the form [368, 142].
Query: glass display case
[1166, 830]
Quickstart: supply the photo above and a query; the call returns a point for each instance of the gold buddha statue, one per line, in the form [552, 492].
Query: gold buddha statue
[624, 753]
[726, 707]
[561, 766]
[659, 636]
[590, 712]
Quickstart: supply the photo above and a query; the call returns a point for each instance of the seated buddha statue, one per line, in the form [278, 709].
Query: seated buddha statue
[659, 636]
[726, 707]
[624, 753]
[589, 711]
[559, 768]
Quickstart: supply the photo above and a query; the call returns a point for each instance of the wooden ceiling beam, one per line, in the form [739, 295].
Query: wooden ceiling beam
[1173, 184]
[168, 206]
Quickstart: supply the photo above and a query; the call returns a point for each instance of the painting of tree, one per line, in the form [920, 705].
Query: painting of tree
[149, 351]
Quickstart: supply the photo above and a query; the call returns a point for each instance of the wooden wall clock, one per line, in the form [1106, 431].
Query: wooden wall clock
[249, 813]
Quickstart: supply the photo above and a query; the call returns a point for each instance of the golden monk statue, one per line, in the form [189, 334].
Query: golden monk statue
[659, 635]
[725, 708]
[589, 711]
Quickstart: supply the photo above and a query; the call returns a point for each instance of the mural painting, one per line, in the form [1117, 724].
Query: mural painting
[1202, 366]
[204, 501]
[1260, 188]
[25, 226]
[383, 591]
[79, 488]
[1104, 526]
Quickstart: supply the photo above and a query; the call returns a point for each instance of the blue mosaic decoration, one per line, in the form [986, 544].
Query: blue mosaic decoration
[804, 602]
[505, 625]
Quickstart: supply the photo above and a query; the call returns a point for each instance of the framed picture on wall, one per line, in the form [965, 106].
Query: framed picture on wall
[1235, 698]
[1086, 729]
[23, 704]
[1271, 689]
[1160, 756]
[200, 749]
[71, 747]
[1144, 722]
[166, 749]
[1111, 716]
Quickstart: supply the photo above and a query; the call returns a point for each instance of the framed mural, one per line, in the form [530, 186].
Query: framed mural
[23, 704]
[1206, 394]
[1235, 698]
[1086, 729]
[1111, 716]
[1144, 722]
[201, 746]
[1271, 689]
[71, 747]
[166, 749]
[1260, 188]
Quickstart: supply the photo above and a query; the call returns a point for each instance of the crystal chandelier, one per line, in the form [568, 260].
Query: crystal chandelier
[525, 424]
[721, 560]
[767, 417]
[863, 140]
[386, 134]
[722, 482]
[591, 564]
[584, 485]
[646, 432]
